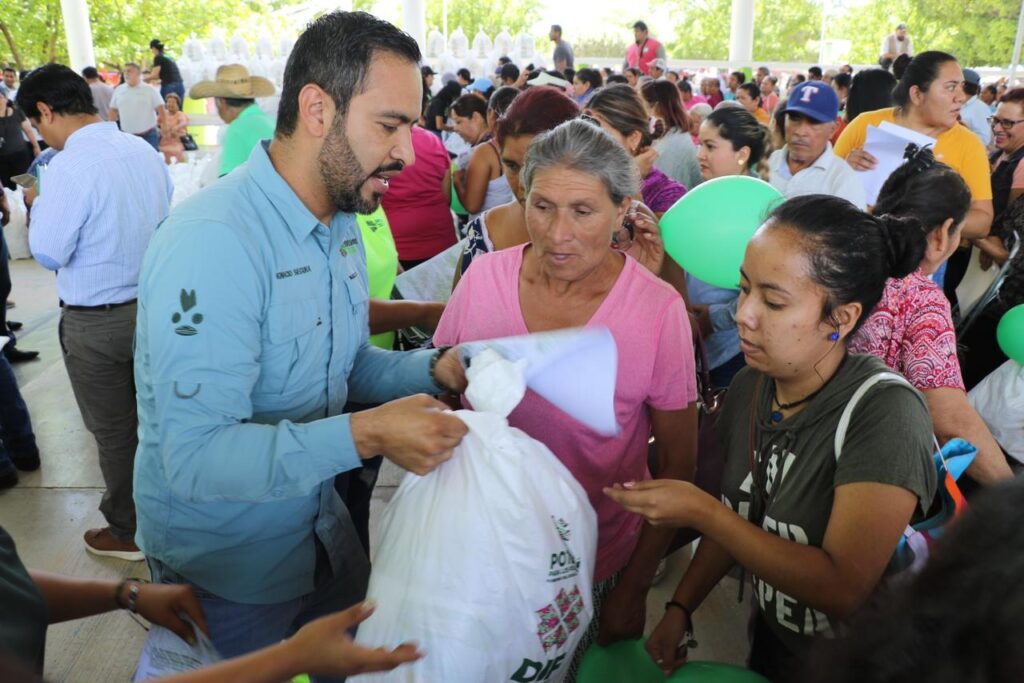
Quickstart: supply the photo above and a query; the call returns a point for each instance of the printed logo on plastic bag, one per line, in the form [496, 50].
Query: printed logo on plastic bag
[559, 619]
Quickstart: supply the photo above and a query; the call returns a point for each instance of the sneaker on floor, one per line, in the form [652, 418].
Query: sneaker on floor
[14, 325]
[26, 460]
[8, 475]
[103, 543]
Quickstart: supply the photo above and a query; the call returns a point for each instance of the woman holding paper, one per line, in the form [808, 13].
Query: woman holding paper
[928, 100]
[578, 183]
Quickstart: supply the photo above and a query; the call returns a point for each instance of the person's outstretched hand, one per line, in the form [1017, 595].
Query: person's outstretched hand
[325, 648]
[417, 433]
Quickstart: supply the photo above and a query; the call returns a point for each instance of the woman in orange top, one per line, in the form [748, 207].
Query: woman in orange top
[749, 95]
[173, 125]
[928, 100]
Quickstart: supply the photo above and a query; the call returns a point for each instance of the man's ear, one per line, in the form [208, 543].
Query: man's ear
[316, 110]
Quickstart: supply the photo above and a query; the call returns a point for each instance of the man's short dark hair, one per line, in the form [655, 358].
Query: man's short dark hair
[991, 88]
[334, 52]
[10, 69]
[557, 27]
[972, 89]
[464, 74]
[640, 25]
[509, 72]
[59, 88]
[90, 72]
[504, 59]
[741, 77]
[815, 72]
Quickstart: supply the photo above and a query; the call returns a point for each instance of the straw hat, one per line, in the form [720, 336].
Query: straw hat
[233, 80]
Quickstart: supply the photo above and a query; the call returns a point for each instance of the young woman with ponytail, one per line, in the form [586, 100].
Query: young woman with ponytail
[815, 530]
[911, 328]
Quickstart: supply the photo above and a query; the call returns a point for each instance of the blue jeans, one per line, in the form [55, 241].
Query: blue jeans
[153, 138]
[16, 435]
[177, 87]
[237, 629]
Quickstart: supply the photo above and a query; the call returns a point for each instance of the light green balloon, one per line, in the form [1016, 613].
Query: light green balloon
[1010, 333]
[707, 230]
[628, 662]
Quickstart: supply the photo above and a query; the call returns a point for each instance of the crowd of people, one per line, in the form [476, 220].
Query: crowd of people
[224, 362]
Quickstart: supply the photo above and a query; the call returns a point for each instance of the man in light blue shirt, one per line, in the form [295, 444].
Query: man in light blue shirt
[100, 200]
[975, 113]
[253, 334]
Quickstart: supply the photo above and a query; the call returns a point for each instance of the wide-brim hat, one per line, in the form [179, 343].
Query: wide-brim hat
[233, 80]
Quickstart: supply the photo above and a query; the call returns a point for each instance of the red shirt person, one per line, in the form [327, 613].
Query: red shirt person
[644, 51]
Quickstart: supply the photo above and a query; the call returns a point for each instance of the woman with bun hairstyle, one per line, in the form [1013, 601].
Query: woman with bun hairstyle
[814, 527]
[911, 328]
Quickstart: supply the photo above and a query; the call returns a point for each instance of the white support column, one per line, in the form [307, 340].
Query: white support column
[79, 33]
[414, 14]
[1016, 48]
[741, 37]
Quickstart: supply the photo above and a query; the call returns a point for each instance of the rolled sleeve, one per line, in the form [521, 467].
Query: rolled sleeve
[202, 378]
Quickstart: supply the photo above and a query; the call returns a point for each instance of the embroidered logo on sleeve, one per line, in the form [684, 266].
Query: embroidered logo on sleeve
[188, 302]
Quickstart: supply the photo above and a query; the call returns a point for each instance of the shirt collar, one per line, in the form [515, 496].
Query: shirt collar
[824, 162]
[91, 130]
[298, 218]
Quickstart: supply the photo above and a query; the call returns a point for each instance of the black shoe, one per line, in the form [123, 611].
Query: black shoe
[8, 475]
[19, 356]
[26, 461]
[14, 325]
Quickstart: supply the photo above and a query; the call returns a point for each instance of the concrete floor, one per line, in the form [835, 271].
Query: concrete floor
[48, 512]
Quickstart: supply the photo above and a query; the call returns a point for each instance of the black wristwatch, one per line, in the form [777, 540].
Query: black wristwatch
[441, 350]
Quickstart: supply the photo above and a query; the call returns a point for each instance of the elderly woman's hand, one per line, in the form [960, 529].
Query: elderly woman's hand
[647, 247]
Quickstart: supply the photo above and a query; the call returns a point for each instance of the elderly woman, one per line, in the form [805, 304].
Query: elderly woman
[173, 126]
[578, 182]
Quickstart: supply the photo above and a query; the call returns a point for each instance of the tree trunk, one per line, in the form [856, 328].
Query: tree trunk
[10, 44]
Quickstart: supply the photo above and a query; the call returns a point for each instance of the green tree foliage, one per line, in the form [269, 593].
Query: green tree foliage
[784, 30]
[491, 15]
[978, 32]
[34, 32]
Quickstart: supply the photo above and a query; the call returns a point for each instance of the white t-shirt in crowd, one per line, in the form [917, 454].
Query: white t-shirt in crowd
[827, 175]
[136, 107]
[101, 97]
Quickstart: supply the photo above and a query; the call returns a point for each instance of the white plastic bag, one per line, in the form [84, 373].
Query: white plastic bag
[486, 563]
[999, 399]
[16, 231]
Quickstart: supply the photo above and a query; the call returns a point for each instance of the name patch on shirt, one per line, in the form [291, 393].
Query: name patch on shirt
[291, 273]
[348, 246]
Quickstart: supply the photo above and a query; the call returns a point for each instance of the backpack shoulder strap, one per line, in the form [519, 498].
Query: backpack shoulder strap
[847, 416]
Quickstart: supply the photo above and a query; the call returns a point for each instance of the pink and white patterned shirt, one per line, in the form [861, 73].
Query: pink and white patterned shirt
[911, 330]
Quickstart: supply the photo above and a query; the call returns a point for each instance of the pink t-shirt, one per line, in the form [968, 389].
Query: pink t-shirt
[419, 215]
[655, 371]
[911, 330]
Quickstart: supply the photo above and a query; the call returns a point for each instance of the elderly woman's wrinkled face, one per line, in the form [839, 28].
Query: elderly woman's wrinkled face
[172, 105]
[571, 218]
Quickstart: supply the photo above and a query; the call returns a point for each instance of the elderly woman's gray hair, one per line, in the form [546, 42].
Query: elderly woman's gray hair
[584, 147]
[700, 111]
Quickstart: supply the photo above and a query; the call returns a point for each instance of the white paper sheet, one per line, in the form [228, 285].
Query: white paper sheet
[165, 654]
[573, 369]
[887, 143]
[431, 280]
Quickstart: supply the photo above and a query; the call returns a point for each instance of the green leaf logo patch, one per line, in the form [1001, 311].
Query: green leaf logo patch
[188, 302]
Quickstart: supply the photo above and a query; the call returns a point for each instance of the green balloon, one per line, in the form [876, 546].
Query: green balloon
[628, 662]
[707, 230]
[456, 204]
[1010, 333]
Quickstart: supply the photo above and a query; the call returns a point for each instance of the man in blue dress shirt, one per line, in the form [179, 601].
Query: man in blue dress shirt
[99, 203]
[252, 335]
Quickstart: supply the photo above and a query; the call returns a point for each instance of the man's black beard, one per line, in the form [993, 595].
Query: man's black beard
[342, 174]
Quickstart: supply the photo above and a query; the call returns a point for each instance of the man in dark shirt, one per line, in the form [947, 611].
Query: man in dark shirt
[165, 72]
[562, 58]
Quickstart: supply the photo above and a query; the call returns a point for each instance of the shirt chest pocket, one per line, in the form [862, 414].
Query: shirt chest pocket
[294, 340]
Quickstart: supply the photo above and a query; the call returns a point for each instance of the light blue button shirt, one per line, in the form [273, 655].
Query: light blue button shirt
[252, 335]
[724, 342]
[101, 199]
